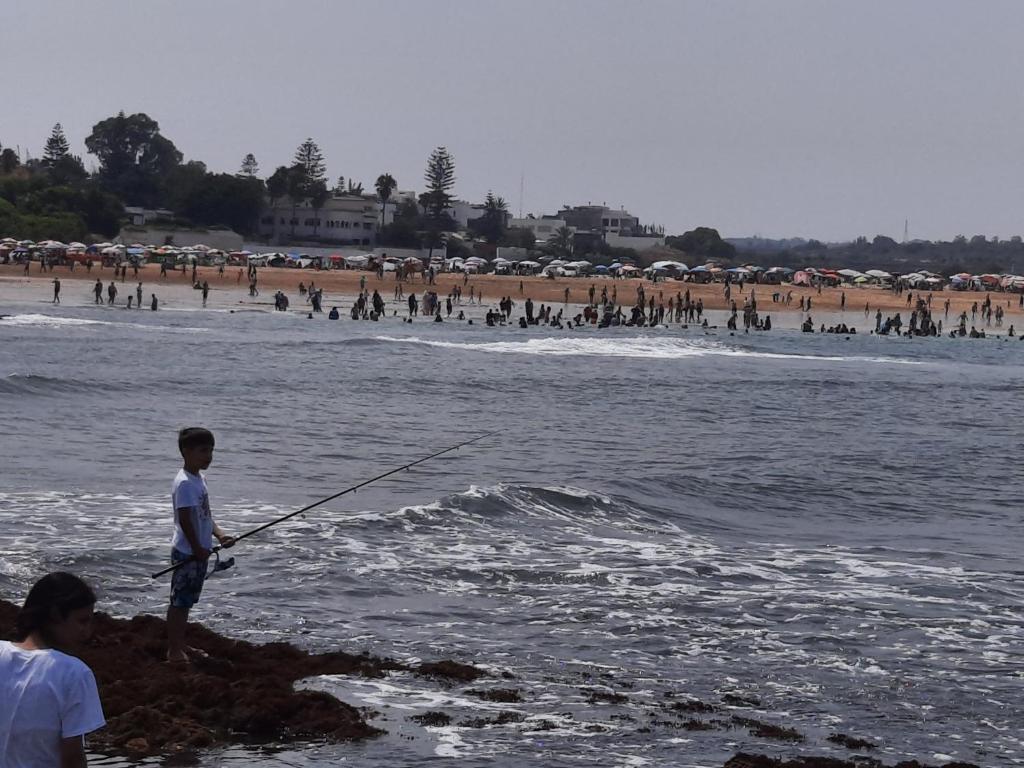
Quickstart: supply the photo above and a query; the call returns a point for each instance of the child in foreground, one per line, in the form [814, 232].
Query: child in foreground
[194, 529]
[48, 697]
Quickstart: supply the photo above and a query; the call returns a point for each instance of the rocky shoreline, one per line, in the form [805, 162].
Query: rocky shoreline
[238, 692]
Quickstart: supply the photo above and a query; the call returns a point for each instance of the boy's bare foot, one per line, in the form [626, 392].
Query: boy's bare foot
[197, 653]
[178, 658]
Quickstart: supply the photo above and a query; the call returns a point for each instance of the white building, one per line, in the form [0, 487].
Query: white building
[462, 212]
[344, 219]
[542, 228]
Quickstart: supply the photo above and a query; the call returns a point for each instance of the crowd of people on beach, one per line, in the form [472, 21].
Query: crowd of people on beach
[648, 307]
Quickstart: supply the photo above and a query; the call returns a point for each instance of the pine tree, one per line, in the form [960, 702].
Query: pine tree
[309, 156]
[249, 165]
[57, 147]
[440, 178]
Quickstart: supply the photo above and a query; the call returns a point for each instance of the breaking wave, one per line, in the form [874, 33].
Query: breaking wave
[35, 320]
[632, 347]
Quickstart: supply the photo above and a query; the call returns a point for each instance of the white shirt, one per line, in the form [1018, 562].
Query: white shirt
[45, 696]
[189, 491]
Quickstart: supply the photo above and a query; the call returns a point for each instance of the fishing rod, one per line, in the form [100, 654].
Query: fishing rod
[315, 504]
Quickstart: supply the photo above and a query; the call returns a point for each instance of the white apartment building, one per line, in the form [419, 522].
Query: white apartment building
[344, 219]
[543, 228]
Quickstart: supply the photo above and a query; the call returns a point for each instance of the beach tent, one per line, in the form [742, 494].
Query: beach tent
[802, 277]
[670, 266]
[878, 274]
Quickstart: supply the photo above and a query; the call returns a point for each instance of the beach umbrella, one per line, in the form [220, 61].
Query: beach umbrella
[600, 268]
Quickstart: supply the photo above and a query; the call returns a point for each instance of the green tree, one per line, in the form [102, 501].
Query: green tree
[385, 187]
[221, 199]
[702, 243]
[318, 196]
[440, 178]
[309, 157]
[134, 157]
[404, 230]
[57, 147]
[298, 191]
[249, 167]
[339, 188]
[491, 225]
[562, 241]
[277, 185]
[518, 237]
[9, 161]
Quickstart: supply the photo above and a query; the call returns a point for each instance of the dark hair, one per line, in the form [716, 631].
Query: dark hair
[51, 600]
[193, 437]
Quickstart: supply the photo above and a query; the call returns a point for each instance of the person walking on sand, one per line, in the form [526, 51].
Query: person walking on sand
[97, 290]
[48, 696]
[138, 296]
[111, 293]
[56, 290]
[194, 530]
[153, 302]
[206, 291]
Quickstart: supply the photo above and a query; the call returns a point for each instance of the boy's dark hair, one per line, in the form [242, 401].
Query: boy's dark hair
[50, 601]
[193, 437]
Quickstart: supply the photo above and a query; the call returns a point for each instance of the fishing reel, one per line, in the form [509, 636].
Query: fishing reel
[218, 564]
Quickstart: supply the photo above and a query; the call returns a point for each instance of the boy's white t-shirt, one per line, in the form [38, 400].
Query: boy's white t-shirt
[190, 491]
[45, 696]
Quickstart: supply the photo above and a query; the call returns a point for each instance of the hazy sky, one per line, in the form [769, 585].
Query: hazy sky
[808, 118]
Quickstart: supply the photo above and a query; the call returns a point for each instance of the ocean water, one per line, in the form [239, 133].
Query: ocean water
[831, 527]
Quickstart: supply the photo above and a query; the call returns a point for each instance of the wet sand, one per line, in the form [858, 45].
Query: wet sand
[231, 291]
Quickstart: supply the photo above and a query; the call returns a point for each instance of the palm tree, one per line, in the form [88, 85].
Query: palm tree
[385, 187]
[562, 240]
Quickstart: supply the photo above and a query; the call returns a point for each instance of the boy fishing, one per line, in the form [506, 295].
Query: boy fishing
[194, 529]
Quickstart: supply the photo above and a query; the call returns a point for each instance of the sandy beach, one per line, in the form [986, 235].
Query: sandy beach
[341, 287]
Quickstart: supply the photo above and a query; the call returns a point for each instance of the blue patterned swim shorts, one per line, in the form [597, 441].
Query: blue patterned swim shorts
[187, 581]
